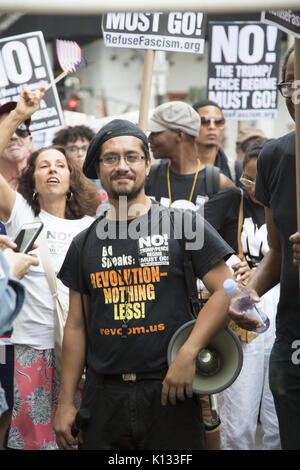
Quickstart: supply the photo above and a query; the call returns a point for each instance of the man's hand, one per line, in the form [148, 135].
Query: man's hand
[242, 272]
[7, 242]
[64, 418]
[29, 103]
[295, 239]
[179, 379]
[243, 320]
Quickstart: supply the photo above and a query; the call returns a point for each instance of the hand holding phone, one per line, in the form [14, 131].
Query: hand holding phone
[27, 235]
[20, 263]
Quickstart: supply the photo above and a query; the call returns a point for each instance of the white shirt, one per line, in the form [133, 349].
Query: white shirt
[34, 326]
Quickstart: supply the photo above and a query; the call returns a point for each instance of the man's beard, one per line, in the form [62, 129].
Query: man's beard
[130, 194]
[211, 144]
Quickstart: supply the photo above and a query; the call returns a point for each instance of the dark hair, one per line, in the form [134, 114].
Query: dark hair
[71, 134]
[254, 149]
[84, 200]
[146, 151]
[285, 61]
[201, 104]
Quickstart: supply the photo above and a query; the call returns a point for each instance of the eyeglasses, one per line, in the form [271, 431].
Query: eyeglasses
[286, 88]
[246, 182]
[74, 149]
[113, 159]
[22, 131]
[218, 122]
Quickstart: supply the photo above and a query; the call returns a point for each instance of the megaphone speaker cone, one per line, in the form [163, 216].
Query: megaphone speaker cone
[218, 365]
[208, 362]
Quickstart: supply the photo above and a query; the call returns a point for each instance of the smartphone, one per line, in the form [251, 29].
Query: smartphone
[27, 235]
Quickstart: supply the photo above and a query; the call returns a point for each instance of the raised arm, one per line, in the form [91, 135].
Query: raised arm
[28, 103]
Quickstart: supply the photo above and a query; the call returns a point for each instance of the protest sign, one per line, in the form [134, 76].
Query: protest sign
[24, 64]
[286, 20]
[243, 69]
[175, 31]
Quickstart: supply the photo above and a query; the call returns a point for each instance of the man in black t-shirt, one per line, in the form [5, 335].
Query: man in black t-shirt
[180, 176]
[128, 266]
[276, 189]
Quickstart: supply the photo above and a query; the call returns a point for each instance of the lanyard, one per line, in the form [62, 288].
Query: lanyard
[193, 186]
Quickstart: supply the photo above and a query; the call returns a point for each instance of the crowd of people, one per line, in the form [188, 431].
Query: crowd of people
[111, 219]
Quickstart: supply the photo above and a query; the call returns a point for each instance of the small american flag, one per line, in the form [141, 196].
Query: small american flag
[69, 56]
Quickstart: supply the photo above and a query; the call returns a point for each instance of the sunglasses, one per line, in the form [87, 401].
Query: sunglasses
[218, 122]
[22, 131]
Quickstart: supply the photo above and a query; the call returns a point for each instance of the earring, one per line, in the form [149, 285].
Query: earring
[35, 196]
[69, 195]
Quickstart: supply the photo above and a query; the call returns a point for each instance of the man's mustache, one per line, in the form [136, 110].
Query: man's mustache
[120, 174]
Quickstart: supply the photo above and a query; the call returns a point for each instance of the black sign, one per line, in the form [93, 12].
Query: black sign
[243, 69]
[286, 20]
[24, 64]
[175, 31]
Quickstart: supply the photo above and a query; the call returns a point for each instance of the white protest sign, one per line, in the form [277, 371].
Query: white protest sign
[175, 31]
[24, 64]
[243, 69]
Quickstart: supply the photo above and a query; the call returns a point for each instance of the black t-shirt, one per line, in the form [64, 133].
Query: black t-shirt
[221, 162]
[254, 232]
[181, 185]
[276, 189]
[149, 264]
[222, 212]
[238, 168]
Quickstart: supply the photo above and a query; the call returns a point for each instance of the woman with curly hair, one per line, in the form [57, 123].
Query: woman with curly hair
[54, 188]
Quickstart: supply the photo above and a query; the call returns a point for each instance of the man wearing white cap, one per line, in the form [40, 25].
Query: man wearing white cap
[180, 176]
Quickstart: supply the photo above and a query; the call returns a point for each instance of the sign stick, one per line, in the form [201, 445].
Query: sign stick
[146, 89]
[58, 78]
[297, 121]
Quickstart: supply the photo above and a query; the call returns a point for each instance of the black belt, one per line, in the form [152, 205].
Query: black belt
[135, 376]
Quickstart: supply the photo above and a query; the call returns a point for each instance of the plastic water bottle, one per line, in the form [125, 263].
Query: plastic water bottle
[241, 301]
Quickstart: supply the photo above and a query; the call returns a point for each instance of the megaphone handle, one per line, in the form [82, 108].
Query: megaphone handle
[215, 419]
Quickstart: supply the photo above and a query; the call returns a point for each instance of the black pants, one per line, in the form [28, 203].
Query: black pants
[129, 416]
[284, 374]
